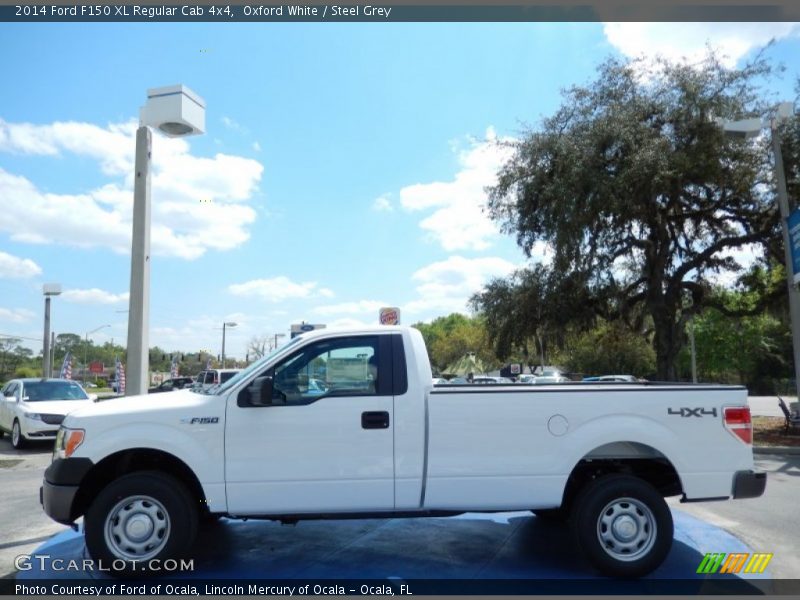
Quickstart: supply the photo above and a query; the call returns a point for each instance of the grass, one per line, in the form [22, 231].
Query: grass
[768, 431]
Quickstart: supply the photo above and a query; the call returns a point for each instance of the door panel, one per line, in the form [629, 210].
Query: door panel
[309, 451]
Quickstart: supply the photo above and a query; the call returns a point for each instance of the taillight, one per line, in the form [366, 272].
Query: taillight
[737, 421]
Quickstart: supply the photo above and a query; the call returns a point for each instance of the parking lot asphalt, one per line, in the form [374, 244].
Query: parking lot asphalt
[473, 546]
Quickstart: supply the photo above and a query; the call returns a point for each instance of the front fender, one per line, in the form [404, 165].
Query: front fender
[200, 447]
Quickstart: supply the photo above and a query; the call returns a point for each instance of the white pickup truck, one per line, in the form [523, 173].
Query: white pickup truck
[338, 424]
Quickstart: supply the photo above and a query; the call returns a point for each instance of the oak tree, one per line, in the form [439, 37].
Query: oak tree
[641, 196]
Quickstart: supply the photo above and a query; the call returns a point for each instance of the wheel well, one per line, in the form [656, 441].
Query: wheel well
[657, 471]
[129, 461]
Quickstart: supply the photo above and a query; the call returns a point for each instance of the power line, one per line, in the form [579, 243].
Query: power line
[19, 337]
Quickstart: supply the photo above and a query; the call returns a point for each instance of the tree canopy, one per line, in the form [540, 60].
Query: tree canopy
[641, 196]
[450, 338]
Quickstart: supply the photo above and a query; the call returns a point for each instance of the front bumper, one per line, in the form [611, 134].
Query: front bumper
[749, 484]
[61, 483]
[58, 500]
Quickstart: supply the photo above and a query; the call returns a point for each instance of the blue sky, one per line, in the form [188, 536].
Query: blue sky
[342, 169]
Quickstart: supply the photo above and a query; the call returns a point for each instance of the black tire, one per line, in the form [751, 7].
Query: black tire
[209, 518]
[623, 526]
[17, 439]
[164, 510]
[560, 515]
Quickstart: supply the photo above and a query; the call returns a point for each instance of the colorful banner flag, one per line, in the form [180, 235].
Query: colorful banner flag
[66, 367]
[120, 371]
[173, 371]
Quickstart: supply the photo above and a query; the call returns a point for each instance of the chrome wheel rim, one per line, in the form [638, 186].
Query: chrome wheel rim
[15, 434]
[137, 528]
[626, 529]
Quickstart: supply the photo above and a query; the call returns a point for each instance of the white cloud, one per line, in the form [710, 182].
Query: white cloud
[447, 285]
[278, 289]
[233, 125]
[256, 146]
[679, 41]
[382, 204]
[16, 315]
[458, 221]
[13, 267]
[351, 308]
[351, 323]
[94, 296]
[199, 203]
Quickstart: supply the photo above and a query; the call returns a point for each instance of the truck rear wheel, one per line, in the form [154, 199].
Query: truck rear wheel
[138, 518]
[623, 525]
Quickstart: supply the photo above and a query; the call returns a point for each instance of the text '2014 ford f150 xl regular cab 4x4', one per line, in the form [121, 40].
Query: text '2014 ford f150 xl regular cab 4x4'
[342, 423]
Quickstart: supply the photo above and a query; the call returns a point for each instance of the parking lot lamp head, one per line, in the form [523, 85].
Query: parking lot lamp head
[224, 325]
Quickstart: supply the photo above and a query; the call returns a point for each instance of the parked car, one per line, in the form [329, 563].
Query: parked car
[527, 378]
[550, 375]
[211, 377]
[624, 378]
[486, 379]
[34, 408]
[169, 385]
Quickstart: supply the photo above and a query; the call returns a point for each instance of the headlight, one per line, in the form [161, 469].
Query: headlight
[67, 441]
[33, 416]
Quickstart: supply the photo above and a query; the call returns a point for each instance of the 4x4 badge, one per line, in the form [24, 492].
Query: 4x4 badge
[692, 412]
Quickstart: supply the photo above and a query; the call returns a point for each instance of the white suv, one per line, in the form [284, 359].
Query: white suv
[212, 377]
[33, 409]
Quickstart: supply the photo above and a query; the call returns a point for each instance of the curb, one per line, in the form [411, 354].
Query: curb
[790, 450]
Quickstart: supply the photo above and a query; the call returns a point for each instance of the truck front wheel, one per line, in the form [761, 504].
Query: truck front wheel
[623, 525]
[139, 518]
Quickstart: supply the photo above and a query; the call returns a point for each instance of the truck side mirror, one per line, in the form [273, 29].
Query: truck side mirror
[261, 391]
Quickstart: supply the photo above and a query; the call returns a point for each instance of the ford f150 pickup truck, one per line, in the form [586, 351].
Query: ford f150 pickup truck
[337, 424]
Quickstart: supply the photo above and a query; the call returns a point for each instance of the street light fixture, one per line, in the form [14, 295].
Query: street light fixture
[224, 325]
[85, 346]
[49, 289]
[176, 111]
[748, 129]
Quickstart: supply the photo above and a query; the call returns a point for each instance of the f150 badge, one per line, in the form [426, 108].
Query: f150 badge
[692, 412]
[200, 420]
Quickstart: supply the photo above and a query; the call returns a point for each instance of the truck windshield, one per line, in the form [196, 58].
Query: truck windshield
[246, 373]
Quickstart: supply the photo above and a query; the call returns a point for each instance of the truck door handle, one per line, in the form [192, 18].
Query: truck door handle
[375, 420]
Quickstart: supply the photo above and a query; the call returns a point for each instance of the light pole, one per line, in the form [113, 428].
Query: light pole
[176, 111]
[224, 325]
[748, 129]
[49, 289]
[277, 335]
[85, 346]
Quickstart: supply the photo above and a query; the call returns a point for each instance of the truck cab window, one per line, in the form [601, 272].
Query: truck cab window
[342, 367]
